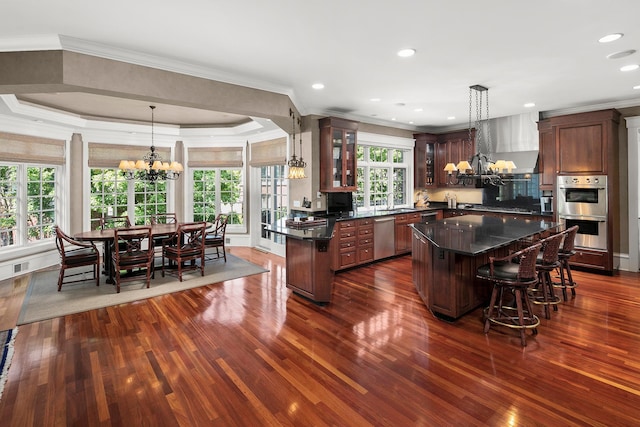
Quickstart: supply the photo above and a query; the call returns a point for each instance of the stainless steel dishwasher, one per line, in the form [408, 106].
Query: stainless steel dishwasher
[384, 242]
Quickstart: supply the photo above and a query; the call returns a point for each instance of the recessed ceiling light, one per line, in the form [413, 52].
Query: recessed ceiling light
[622, 54]
[393, 119]
[451, 118]
[417, 110]
[411, 122]
[405, 53]
[637, 87]
[317, 86]
[630, 67]
[375, 100]
[610, 37]
[529, 105]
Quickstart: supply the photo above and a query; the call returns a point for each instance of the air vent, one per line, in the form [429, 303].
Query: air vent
[17, 268]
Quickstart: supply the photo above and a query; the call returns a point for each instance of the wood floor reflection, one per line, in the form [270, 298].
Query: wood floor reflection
[247, 352]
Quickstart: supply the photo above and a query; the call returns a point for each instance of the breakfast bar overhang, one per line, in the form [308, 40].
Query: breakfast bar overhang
[447, 253]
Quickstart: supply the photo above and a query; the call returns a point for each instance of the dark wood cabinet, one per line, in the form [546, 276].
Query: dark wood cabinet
[309, 269]
[403, 231]
[352, 243]
[338, 155]
[583, 144]
[451, 148]
[424, 160]
[547, 157]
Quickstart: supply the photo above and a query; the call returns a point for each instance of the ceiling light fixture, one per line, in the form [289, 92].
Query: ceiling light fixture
[630, 67]
[296, 166]
[637, 87]
[479, 169]
[406, 53]
[621, 54]
[529, 105]
[317, 86]
[610, 37]
[150, 167]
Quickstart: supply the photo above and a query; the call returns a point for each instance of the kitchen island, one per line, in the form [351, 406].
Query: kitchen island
[447, 253]
[308, 259]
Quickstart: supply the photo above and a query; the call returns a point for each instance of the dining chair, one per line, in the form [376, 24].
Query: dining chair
[215, 238]
[132, 254]
[185, 245]
[161, 218]
[107, 222]
[75, 253]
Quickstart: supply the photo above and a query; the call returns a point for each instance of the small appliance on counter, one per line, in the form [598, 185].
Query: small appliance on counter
[546, 205]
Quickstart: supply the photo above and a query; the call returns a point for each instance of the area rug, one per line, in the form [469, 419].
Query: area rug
[43, 301]
[6, 339]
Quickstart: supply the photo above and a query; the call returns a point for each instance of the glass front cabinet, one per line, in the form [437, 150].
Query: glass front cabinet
[424, 160]
[338, 155]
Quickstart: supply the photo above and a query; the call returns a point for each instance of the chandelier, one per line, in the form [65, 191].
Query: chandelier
[480, 169]
[296, 165]
[150, 167]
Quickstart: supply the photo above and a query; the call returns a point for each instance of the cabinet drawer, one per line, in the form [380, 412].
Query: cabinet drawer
[365, 253]
[401, 218]
[365, 231]
[347, 259]
[347, 245]
[347, 234]
[365, 240]
[589, 259]
[366, 221]
[347, 224]
[413, 217]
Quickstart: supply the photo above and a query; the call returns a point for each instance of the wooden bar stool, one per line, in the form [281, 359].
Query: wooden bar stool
[516, 278]
[566, 252]
[547, 262]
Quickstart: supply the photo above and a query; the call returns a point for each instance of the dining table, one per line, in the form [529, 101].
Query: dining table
[107, 235]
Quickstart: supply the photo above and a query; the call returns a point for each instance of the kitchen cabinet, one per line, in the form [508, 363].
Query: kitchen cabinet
[352, 243]
[424, 160]
[586, 143]
[338, 155]
[547, 157]
[452, 148]
[403, 231]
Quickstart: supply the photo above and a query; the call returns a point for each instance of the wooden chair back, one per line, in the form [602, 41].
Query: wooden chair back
[108, 222]
[132, 252]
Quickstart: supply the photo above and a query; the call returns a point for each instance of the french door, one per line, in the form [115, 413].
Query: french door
[273, 205]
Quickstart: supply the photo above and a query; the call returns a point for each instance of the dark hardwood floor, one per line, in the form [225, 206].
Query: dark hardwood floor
[249, 353]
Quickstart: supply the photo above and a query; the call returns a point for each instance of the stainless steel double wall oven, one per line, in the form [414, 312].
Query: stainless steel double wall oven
[582, 201]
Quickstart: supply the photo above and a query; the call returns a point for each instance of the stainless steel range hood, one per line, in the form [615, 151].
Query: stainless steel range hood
[514, 138]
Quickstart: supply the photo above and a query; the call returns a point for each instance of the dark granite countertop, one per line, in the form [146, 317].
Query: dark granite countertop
[476, 234]
[318, 232]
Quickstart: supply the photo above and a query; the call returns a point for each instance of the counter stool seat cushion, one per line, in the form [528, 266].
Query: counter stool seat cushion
[509, 305]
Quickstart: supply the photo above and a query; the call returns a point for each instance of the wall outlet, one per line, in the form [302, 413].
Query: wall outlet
[318, 204]
[296, 203]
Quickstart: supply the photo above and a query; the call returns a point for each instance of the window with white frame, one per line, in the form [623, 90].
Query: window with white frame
[382, 177]
[28, 200]
[113, 195]
[219, 191]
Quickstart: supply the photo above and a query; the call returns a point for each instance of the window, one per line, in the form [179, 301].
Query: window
[28, 199]
[218, 191]
[113, 195]
[382, 177]
[108, 195]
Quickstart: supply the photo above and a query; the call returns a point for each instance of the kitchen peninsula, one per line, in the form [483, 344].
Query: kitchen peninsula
[447, 253]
